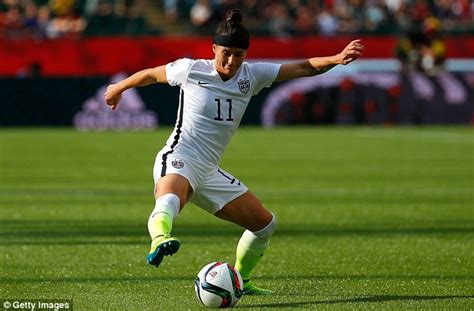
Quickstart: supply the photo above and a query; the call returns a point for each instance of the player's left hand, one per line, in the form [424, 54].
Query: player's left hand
[351, 52]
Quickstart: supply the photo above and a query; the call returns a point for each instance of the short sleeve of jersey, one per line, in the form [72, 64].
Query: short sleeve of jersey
[265, 74]
[177, 72]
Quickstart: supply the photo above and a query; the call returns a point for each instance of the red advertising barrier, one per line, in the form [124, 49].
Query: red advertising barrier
[109, 55]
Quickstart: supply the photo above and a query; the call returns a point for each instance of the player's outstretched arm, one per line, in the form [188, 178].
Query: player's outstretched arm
[318, 65]
[145, 77]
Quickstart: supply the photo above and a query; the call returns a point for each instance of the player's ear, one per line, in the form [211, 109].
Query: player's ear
[214, 48]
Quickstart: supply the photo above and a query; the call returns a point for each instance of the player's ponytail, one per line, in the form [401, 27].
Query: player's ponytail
[231, 32]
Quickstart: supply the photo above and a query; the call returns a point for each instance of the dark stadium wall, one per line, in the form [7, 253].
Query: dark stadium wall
[58, 101]
[55, 101]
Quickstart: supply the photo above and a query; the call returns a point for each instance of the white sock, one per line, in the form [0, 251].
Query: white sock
[161, 218]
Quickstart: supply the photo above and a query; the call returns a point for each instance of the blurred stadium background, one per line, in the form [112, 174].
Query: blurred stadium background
[418, 67]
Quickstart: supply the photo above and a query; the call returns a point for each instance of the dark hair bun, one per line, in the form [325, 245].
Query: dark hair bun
[234, 16]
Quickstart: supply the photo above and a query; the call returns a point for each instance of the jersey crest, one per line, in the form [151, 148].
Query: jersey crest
[177, 163]
[244, 85]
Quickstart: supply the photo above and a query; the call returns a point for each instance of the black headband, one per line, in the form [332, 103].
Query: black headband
[232, 41]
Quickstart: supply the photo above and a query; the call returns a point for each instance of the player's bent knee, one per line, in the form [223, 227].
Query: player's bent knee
[267, 231]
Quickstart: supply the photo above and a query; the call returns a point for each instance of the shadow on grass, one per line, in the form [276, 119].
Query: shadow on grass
[366, 277]
[77, 280]
[56, 231]
[168, 278]
[365, 299]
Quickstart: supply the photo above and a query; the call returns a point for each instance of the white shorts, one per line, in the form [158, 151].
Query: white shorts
[212, 188]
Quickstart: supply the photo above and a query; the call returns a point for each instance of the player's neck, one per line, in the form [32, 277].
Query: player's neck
[224, 77]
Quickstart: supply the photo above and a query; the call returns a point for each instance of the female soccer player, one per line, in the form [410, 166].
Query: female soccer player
[214, 95]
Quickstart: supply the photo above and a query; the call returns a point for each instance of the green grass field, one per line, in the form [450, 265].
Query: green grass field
[369, 218]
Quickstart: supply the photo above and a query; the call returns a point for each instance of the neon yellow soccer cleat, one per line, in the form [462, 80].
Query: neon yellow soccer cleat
[251, 289]
[160, 247]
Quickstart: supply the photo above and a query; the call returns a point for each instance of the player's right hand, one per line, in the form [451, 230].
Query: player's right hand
[351, 52]
[112, 96]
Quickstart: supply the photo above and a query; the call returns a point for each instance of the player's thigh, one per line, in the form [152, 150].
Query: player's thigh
[246, 211]
[174, 183]
[216, 189]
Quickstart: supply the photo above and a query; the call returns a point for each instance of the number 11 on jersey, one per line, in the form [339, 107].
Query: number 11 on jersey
[219, 117]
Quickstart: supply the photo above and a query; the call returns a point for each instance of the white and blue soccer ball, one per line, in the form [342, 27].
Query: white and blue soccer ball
[218, 285]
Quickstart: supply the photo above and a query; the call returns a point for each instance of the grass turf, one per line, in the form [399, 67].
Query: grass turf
[368, 218]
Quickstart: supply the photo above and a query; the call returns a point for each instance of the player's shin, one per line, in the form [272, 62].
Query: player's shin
[251, 247]
[161, 219]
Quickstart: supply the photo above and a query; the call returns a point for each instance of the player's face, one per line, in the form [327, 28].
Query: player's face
[228, 60]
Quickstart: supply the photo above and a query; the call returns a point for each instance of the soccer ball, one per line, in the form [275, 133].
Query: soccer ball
[218, 285]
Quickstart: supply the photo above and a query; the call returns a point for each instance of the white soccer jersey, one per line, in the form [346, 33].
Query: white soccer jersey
[210, 109]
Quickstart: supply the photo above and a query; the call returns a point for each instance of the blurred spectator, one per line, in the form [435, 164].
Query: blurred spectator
[102, 21]
[251, 14]
[123, 18]
[130, 18]
[303, 21]
[32, 70]
[423, 50]
[453, 12]
[177, 10]
[201, 13]
[42, 19]
[327, 22]
[419, 11]
[278, 24]
[379, 18]
[62, 7]
[30, 19]
[67, 24]
[13, 23]
[351, 16]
